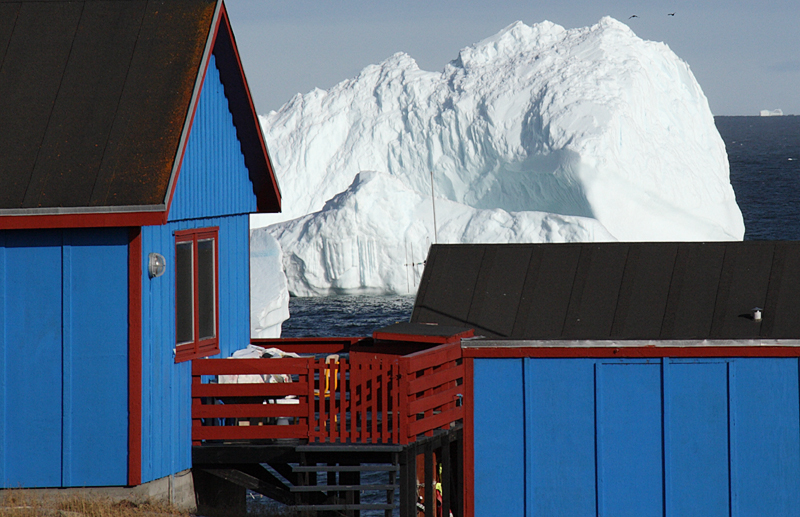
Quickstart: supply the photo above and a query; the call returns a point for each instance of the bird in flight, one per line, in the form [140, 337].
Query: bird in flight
[670, 14]
[632, 16]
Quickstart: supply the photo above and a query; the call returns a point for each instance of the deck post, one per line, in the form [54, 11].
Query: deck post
[446, 477]
[428, 481]
[217, 496]
[392, 481]
[408, 481]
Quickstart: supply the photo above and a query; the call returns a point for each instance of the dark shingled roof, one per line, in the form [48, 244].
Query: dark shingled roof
[97, 98]
[615, 291]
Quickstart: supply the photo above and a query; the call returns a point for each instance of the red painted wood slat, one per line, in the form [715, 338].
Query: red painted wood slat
[290, 366]
[249, 410]
[433, 357]
[252, 432]
[433, 379]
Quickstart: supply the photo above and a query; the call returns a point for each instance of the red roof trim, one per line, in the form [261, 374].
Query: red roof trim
[419, 338]
[632, 352]
[90, 220]
[198, 89]
[268, 194]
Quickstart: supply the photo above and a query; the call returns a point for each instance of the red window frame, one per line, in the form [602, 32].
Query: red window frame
[196, 347]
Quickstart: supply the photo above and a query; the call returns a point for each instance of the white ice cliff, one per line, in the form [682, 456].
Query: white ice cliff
[537, 134]
[269, 295]
[374, 236]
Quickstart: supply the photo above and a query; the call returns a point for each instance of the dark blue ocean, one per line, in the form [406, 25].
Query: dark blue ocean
[764, 156]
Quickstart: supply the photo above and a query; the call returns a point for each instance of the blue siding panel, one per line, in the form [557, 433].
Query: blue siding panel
[166, 386]
[501, 435]
[64, 348]
[673, 437]
[766, 418]
[32, 280]
[629, 455]
[697, 425]
[214, 180]
[561, 443]
[99, 359]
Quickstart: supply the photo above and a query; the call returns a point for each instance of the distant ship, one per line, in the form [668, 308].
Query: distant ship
[771, 113]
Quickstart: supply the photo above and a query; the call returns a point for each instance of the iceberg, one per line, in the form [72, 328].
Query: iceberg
[360, 243]
[536, 134]
[269, 292]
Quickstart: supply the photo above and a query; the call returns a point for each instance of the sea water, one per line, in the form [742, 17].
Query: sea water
[764, 156]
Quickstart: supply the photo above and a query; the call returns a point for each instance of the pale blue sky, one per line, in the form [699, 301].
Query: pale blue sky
[744, 53]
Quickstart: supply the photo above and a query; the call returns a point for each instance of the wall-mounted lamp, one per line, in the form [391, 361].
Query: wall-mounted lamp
[756, 314]
[156, 264]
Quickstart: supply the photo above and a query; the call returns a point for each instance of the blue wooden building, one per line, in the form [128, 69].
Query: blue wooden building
[625, 379]
[130, 158]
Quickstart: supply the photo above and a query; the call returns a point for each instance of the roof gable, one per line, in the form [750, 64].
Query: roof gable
[101, 98]
[213, 180]
[596, 291]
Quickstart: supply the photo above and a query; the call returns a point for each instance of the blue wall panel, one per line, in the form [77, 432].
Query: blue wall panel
[166, 386]
[64, 342]
[32, 328]
[96, 348]
[501, 432]
[766, 436]
[561, 443]
[672, 437]
[697, 438]
[214, 180]
[629, 455]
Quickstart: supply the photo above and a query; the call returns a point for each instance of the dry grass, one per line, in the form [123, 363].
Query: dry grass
[17, 504]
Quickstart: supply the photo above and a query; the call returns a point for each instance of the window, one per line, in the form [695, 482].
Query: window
[196, 294]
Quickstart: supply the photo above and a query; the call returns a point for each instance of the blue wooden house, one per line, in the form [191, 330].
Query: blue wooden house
[625, 379]
[130, 158]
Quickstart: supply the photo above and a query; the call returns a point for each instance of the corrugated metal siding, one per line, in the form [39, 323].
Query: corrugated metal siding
[63, 358]
[661, 437]
[166, 386]
[214, 180]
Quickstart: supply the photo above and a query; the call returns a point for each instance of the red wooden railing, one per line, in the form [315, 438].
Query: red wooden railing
[364, 398]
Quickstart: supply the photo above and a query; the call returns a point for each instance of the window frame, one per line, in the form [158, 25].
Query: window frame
[197, 348]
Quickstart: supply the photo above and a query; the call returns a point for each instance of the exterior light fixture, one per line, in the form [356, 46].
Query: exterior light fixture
[756, 314]
[156, 264]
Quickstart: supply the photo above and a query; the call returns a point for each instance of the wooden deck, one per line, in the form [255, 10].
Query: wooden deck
[393, 402]
[367, 395]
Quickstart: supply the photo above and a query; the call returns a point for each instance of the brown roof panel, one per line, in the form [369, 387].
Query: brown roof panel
[77, 135]
[154, 104]
[30, 76]
[548, 284]
[95, 98]
[643, 291]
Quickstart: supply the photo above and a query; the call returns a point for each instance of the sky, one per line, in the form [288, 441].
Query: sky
[745, 54]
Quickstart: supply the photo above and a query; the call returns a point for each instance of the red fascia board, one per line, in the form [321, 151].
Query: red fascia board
[269, 190]
[85, 220]
[135, 357]
[190, 121]
[417, 338]
[643, 352]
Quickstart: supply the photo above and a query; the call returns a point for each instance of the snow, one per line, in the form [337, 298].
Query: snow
[536, 134]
